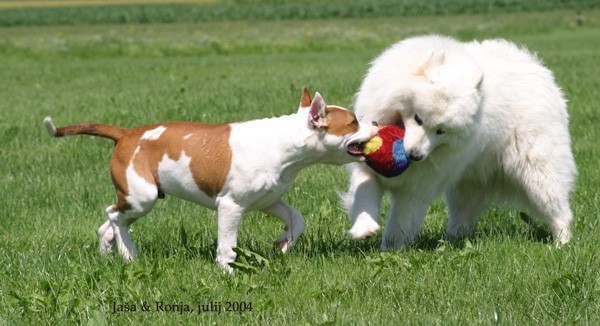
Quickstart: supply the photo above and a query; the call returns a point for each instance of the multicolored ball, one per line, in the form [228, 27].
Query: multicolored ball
[384, 153]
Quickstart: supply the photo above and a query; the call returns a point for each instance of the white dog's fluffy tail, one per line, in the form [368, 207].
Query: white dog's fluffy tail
[345, 200]
[346, 197]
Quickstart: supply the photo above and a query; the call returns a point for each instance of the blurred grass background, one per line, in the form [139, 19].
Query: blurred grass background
[237, 60]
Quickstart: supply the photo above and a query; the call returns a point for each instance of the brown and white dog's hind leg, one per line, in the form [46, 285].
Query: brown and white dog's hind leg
[119, 222]
[293, 220]
[115, 232]
[106, 236]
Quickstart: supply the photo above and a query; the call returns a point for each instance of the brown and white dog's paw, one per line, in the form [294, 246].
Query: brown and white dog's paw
[284, 243]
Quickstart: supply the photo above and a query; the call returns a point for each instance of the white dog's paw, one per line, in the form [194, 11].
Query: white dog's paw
[363, 229]
[562, 237]
[395, 243]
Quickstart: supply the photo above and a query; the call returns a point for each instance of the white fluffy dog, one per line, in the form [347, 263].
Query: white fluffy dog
[485, 123]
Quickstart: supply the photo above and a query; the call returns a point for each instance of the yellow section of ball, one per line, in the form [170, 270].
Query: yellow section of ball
[372, 145]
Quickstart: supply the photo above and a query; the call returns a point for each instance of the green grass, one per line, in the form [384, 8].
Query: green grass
[53, 191]
[230, 10]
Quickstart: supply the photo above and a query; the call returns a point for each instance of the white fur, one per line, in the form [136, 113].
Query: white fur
[494, 130]
[176, 179]
[50, 127]
[154, 134]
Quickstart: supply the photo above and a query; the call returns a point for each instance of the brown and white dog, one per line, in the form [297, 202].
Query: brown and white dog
[232, 167]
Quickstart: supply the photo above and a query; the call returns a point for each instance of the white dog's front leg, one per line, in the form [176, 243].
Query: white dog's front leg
[405, 218]
[293, 220]
[230, 215]
[364, 201]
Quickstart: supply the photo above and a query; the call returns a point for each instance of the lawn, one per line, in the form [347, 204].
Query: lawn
[53, 191]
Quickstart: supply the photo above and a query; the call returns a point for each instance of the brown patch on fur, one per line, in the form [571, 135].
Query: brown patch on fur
[340, 121]
[210, 165]
[207, 145]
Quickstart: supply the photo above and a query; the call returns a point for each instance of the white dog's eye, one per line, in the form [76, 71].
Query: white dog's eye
[440, 132]
[418, 120]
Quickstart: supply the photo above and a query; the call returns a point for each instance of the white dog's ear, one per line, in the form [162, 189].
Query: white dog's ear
[437, 58]
[305, 100]
[317, 113]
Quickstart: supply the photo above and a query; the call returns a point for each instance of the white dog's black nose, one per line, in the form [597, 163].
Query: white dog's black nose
[415, 155]
[375, 123]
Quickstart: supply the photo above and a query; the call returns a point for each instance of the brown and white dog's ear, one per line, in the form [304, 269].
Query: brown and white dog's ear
[317, 115]
[305, 100]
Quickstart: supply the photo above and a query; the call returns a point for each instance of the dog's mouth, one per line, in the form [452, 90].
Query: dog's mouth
[355, 149]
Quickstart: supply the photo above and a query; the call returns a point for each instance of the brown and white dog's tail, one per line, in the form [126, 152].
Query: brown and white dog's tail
[93, 129]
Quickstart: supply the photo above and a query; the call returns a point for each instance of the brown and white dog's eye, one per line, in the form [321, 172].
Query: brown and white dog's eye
[354, 122]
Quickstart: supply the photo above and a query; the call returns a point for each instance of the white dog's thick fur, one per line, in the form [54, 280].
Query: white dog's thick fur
[485, 123]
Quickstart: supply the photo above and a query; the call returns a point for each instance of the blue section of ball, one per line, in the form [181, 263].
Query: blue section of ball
[400, 158]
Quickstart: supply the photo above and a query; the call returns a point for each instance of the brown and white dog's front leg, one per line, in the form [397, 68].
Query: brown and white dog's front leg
[293, 220]
[229, 217]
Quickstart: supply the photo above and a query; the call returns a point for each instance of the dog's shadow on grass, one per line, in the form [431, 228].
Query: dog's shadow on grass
[319, 244]
[314, 246]
[202, 249]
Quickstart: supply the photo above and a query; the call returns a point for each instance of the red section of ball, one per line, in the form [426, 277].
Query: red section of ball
[382, 160]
